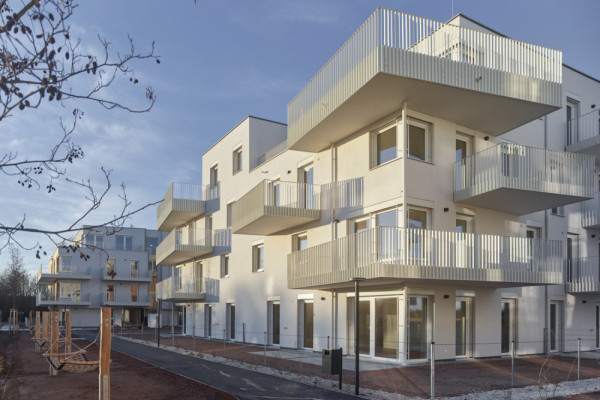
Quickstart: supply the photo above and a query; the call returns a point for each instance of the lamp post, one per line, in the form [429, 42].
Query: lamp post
[356, 335]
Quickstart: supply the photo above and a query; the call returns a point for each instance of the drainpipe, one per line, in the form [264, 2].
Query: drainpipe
[333, 236]
[546, 236]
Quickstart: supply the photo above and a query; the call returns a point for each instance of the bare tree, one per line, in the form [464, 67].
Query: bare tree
[41, 64]
[16, 285]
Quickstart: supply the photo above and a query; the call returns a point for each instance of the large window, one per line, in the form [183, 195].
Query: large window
[134, 268]
[151, 245]
[64, 264]
[110, 292]
[110, 267]
[419, 141]
[70, 290]
[94, 240]
[229, 214]
[384, 146]
[124, 242]
[237, 160]
[133, 290]
[214, 175]
[258, 257]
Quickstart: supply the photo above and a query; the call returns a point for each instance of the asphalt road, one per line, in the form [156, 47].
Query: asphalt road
[243, 383]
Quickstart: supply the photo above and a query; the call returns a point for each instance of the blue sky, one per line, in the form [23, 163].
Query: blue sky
[221, 61]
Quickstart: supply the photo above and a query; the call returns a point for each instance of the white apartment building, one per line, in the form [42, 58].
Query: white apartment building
[451, 169]
[101, 269]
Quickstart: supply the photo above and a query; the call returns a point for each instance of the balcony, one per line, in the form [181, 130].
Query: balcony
[273, 206]
[389, 255]
[73, 273]
[519, 179]
[590, 213]
[438, 69]
[125, 275]
[183, 245]
[182, 203]
[582, 275]
[583, 134]
[188, 291]
[52, 299]
[125, 300]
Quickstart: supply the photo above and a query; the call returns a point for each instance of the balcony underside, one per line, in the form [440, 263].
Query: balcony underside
[118, 278]
[515, 201]
[386, 93]
[50, 279]
[180, 212]
[583, 288]
[383, 274]
[183, 253]
[277, 219]
[129, 304]
[63, 303]
[590, 146]
[185, 297]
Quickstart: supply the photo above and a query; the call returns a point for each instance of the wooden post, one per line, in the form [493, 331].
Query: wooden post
[45, 324]
[38, 334]
[104, 377]
[54, 339]
[30, 319]
[67, 331]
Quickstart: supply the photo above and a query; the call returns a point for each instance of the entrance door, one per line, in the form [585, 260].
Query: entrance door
[274, 325]
[418, 324]
[463, 327]
[230, 321]
[555, 326]
[305, 323]
[386, 327]
[507, 325]
[207, 320]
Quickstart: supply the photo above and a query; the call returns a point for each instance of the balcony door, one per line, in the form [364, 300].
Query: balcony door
[463, 150]
[377, 326]
[507, 324]
[305, 324]
[464, 327]
[572, 121]
[207, 320]
[417, 223]
[419, 327]
[572, 255]
[555, 326]
[464, 241]
[274, 326]
[306, 177]
[597, 326]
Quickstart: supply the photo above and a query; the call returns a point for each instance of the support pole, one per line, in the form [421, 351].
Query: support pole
[578, 358]
[30, 320]
[356, 336]
[265, 348]
[512, 364]
[54, 340]
[158, 323]
[105, 342]
[432, 382]
[38, 333]
[45, 325]
[68, 340]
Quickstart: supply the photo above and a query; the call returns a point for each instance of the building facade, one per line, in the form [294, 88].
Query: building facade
[101, 269]
[450, 170]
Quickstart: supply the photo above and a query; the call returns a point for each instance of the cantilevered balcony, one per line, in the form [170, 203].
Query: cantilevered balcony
[125, 300]
[53, 299]
[479, 80]
[188, 291]
[184, 244]
[116, 274]
[583, 134]
[69, 273]
[590, 213]
[273, 206]
[388, 255]
[182, 203]
[582, 275]
[519, 179]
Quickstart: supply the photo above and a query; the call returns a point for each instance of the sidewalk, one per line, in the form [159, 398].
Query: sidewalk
[452, 378]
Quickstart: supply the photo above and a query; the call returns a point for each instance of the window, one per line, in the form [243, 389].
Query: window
[387, 218]
[237, 160]
[274, 193]
[417, 222]
[361, 225]
[258, 257]
[214, 175]
[229, 214]
[70, 290]
[225, 266]
[307, 194]
[558, 211]
[94, 240]
[134, 268]
[464, 223]
[64, 264]
[300, 241]
[133, 290]
[418, 218]
[110, 292]
[230, 318]
[178, 278]
[572, 121]
[151, 245]
[385, 146]
[124, 242]
[110, 267]
[418, 146]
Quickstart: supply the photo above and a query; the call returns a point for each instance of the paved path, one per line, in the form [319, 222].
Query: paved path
[245, 384]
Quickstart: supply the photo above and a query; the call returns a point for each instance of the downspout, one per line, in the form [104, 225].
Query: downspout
[333, 237]
[546, 237]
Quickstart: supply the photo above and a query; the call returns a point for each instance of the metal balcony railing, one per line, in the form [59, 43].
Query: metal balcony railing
[70, 272]
[513, 166]
[126, 299]
[582, 275]
[389, 252]
[582, 129]
[190, 290]
[270, 154]
[185, 197]
[55, 298]
[419, 48]
[590, 212]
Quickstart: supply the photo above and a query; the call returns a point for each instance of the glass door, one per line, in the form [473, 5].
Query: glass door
[274, 324]
[418, 325]
[463, 150]
[507, 322]
[386, 327]
[207, 320]
[305, 326]
[555, 326]
[463, 327]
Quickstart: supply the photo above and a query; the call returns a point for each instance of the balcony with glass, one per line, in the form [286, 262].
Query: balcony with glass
[590, 213]
[182, 203]
[184, 244]
[52, 298]
[466, 76]
[583, 134]
[389, 255]
[274, 206]
[520, 179]
[582, 275]
[63, 270]
[187, 291]
[131, 272]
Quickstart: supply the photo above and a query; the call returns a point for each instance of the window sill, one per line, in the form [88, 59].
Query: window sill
[384, 164]
[421, 161]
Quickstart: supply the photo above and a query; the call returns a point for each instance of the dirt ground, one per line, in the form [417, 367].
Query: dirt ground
[29, 379]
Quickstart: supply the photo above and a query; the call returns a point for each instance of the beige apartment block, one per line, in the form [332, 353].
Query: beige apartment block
[451, 170]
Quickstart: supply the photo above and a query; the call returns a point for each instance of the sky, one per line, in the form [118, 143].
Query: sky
[220, 62]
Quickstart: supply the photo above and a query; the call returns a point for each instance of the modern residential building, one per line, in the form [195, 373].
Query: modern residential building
[448, 169]
[99, 269]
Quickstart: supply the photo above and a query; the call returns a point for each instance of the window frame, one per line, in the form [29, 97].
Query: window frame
[428, 137]
[135, 263]
[258, 262]
[375, 163]
[225, 266]
[237, 160]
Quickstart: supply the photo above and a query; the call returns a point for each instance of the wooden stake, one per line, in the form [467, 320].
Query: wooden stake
[38, 334]
[30, 319]
[104, 377]
[54, 340]
[45, 324]
[68, 331]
